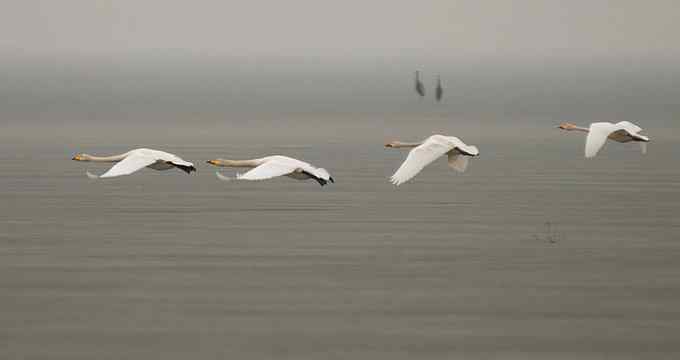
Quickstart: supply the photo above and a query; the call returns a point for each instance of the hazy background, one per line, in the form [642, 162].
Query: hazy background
[512, 31]
[112, 62]
[161, 264]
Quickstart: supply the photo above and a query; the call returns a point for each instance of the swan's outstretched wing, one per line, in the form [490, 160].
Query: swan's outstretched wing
[179, 162]
[459, 156]
[458, 162]
[419, 157]
[324, 174]
[129, 165]
[632, 130]
[173, 159]
[459, 145]
[597, 136]
[319, 173]
[628, 126]
[268, 170]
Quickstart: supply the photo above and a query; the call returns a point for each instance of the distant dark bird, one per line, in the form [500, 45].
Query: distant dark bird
[439, 91]
[420, 89]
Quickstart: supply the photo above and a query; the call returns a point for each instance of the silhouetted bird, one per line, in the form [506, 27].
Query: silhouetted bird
[420, 89]
[439, 91]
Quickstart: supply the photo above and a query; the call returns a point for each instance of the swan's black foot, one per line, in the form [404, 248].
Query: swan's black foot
[321, 181]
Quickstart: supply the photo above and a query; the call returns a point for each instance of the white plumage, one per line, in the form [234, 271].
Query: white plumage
[599, 132]
[274, 166]
[622, 132]
[429, 150]
[137, 159]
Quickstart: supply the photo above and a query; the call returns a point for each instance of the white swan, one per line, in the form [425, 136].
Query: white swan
[599, 132]
[429, 150]
[274, 166]
[137, 159]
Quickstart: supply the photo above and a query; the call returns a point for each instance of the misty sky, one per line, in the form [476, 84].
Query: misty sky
[463, 30]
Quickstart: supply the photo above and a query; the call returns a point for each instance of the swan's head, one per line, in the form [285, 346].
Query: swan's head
[82, 157]
[221, 162]
[566, 126]
[399, 144]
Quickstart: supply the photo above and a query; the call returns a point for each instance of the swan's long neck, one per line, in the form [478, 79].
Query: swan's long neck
[399, 144]
[237, 163]
[112, 158]
[572, 127]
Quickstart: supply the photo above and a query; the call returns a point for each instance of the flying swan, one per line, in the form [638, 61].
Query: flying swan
[273, 166]
[137, 159]
[429, 150]
[599, 132]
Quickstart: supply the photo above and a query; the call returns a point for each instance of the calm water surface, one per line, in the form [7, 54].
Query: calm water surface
[166, 265]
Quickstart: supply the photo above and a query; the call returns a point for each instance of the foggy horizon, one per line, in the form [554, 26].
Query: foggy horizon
[467, 31]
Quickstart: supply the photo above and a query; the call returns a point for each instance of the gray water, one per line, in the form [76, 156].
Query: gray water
[533, 253]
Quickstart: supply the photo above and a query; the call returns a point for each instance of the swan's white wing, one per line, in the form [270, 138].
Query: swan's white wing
[634, 131]
[179, 162]
[169, 158]
[597, 136]
[459, 156]
[466, 149]
[628, 126]
[322, 173]
[420, 157]
[268, 170]
[458, 161]
[129, 165]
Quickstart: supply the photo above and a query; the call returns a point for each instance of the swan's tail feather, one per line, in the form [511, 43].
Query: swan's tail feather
[396, 181]
[226, 178]
[91, 175]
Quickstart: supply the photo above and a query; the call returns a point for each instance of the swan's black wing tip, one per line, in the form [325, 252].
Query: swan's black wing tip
[185, 168]
[321, 181]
